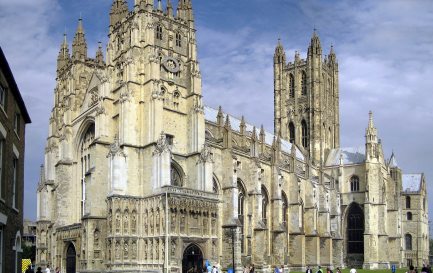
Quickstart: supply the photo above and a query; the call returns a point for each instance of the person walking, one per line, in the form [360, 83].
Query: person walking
[308, 270]
[47, 269]
[353, 270]
[39, 270]
[319, 269]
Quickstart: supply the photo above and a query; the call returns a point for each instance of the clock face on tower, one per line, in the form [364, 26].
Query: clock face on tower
[171, 64]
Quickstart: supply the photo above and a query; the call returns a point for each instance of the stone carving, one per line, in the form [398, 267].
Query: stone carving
[161, 145]
[133, 222]
[115, 149]
[134, 250]
[94, 97]
[125, 250]
[118, 222]
[126, 222]
[117, 250]
[205, 155]
[173, 249]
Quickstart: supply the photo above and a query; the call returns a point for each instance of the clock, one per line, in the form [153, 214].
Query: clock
[171, 64]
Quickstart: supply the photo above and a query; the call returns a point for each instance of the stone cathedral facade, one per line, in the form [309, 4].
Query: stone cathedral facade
[140, 176]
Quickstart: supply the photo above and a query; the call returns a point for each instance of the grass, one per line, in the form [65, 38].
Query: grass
[399, 270]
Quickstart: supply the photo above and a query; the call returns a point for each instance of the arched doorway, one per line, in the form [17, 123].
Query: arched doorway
[71, 259]
[355, 235]
[192, 260]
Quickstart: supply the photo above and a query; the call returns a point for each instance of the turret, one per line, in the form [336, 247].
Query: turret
[169, 9]
[279, 62]
[64, 57]
[372, 147]
[332, 58]
[315, 47]
[79, 45]
[99, 55]
[280, 55]
[119, 10]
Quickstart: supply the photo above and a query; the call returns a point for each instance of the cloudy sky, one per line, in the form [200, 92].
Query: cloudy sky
[384, 50]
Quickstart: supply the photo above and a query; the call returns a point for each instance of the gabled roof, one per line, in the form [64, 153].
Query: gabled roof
[350, 155]
[4, 66]
[412, 182]
[211, 115]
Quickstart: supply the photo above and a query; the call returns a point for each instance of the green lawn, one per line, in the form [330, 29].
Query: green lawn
[401, 270]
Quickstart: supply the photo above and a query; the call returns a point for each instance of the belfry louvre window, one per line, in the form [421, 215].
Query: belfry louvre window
[354, 183]
[304, 83]
[159, 32]
[178, 40]
[292, 86]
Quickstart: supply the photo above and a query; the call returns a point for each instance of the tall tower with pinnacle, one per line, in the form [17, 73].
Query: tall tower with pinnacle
[307, 100]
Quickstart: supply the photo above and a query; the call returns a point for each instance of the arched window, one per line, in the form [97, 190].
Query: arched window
[354, 183]
[304, 83]
[215, 187]
[408, 241]
[178, 40]
[285, 207]
[265, 203]
[408, 202]
[409, 216]
[241, 211]
[304, 134]
[291, 86]
[291, 132]
[159, 32]
[175, 176]
[355, 230]
[85, 156]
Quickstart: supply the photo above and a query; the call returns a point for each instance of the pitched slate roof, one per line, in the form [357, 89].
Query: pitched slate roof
[412, 182]
[211, 115]
[350, 155]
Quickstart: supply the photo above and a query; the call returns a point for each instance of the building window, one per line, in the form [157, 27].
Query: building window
[408, 241]
[292, 86]
[2, 182]
[304, 83]
[175, 176]
[265, 203]
[354, 183]
[408, 202]
[215, 188]
[2, 96]
[17, 123]
[409, 216]
[304, 134]
[14, 183]
[159, 32]
[284, 208]
[291, 132]
[85, 150]
[178, 40]
[241, 211]
[355, 230]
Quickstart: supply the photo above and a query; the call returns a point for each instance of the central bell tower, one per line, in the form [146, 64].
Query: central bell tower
[306, 100]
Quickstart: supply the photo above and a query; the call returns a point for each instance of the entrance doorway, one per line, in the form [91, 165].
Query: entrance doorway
[71, 259]
[192, 260]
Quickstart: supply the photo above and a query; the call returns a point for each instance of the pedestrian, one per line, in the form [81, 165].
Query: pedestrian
[214, 269]
[328, 270]
[282, 269]
[252, 269]
[276, 269]
[57, 269]
[411, 269]
[338, 270]
[353, 270]
[319, 269]
[429, 268]
[39, 270]
[247, 269]
[308, 270]
[47, 269]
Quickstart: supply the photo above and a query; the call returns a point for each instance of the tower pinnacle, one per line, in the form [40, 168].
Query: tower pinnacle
[79, 45]
[63, 57]
[119, 10]
[315, 47]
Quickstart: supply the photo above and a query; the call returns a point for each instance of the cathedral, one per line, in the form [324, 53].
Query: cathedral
[140, 176]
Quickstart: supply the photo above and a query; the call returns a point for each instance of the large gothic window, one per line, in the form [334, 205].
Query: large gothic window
[408, 202]
[85, 161]
[304, 83]
[291, 132]
[265, 204]
[304, 134]
[408, 241]
[355, 230]
[159, 32]
[354, 183]
[292, 86]
[241, 211]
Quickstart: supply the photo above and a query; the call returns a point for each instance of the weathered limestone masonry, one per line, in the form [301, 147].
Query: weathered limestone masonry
[139, 176]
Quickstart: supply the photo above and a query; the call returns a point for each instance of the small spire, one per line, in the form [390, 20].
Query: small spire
[254, 134]
[262, 134]
[315, 47]
[119, 11]
[160, 5]
[99, 54]
[169, 8]
[79, 45]
[370, 119]
[63, 58]
[220, 116]
[227, 124]
[242, 126]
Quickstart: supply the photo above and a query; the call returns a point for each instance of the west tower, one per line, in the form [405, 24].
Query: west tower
[306, 100]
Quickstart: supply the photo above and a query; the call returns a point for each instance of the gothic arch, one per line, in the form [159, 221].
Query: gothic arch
[292, 132]
[176, 174]
[291, 85]
[354, 218]
[216, 186]
[304, 83]
[70, 254]
[285, 207]
[192, 256]
[82, 130]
